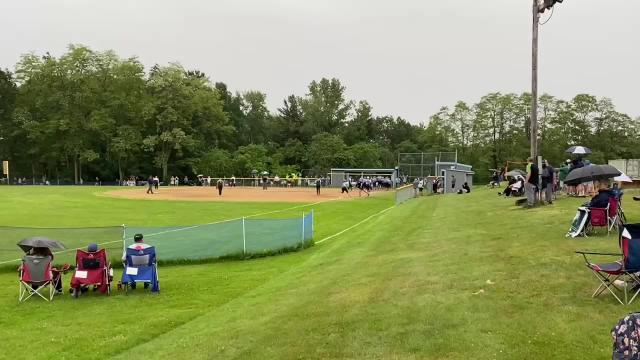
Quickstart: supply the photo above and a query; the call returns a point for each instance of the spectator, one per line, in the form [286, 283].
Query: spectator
[138, 244]
[415, 187]
[56, 274]
[531, 184]
[466, 187]
[601, 199]
[562, 174]
[548, 174]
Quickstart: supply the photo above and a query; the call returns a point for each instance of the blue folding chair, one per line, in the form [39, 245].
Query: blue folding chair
[141, 267]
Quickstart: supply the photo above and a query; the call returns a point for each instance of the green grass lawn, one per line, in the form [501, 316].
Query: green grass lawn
[405, 284]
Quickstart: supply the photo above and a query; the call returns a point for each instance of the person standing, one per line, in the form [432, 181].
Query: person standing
[150, 185]
[562, 174]
[415, 187]
[156, 182]
[233, 181]
[345, 187]
[220, 185]
[548, 173]
[531, 183]
[318, 183]
[265, 179]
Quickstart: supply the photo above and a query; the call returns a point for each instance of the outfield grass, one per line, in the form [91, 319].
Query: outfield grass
[405, 284]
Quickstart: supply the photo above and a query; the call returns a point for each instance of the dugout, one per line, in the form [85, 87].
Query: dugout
[454, 175]
[340, 175]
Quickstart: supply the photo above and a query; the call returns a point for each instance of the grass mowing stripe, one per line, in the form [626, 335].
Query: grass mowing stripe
[355, 225]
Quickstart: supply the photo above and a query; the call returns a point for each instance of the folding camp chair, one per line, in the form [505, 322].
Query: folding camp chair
[621, 215]
[598, 217]
[613, 213]
[625, 270]
[141, 267]
[92, 268]
[36, 277]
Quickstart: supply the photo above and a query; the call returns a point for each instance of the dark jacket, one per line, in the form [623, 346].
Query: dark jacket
[601, 200]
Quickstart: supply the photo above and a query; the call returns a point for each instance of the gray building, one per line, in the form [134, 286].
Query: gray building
[454, 175]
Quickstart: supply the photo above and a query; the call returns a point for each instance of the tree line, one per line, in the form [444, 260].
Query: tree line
[90, 114]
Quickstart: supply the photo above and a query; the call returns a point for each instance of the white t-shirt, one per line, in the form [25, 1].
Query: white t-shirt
[345, 184]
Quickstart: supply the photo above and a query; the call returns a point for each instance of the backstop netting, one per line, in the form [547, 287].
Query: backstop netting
[240, 237]
[405, 193]
[423, 164]
[109, 238]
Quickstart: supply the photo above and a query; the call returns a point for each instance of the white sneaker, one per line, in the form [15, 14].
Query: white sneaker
[620, 283]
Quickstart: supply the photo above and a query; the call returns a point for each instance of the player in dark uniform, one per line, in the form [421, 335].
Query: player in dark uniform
[220, 185]
[318, 186]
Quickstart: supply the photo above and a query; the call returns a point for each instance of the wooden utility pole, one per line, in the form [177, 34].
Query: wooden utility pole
[534, 83]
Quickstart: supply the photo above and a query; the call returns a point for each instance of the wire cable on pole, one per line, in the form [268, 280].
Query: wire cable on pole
[550, 16]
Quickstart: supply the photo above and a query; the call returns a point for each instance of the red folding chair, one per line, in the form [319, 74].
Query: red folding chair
[92, 268]
[613, 213]
[36, 278]
[598, 217]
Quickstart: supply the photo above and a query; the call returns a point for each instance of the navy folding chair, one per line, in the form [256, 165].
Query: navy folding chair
[141, 267]
[619, 277]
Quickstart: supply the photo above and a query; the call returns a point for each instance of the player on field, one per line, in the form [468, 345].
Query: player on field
[345, 187]
[220, 185]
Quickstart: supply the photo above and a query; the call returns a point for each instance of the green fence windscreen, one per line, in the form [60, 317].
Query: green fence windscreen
[230, 238]
[109, 238]
[192, 242]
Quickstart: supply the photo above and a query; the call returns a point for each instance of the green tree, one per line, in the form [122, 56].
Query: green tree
[366, 155]
[327, 151]
[325, 108]
[216, 162]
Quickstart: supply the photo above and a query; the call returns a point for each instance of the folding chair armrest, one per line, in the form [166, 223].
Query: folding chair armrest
[597, 253]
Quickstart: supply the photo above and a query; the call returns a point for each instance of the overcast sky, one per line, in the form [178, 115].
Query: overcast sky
[406, 57]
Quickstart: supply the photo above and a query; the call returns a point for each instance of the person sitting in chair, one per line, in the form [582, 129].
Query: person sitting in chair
[138, 244]
[515, 186]
[601, 200]
[55, 272]
[91, 248]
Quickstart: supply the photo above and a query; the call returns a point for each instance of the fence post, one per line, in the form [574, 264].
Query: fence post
[303, 229]
[124, 238]
[244, 239]
[312, 221]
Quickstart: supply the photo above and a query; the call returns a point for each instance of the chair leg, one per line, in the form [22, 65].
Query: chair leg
[606, 283]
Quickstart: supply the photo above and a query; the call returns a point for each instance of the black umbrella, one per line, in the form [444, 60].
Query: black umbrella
[41, 242]
[590, 173]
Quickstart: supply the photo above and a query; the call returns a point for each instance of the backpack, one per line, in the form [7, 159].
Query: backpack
[626, 338]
